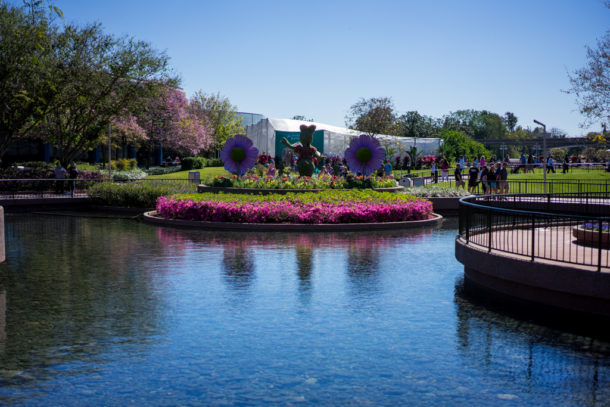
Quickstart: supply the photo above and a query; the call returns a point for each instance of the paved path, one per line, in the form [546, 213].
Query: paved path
[550, 244]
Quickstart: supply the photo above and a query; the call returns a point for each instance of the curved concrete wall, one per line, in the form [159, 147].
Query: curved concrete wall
[552, 284]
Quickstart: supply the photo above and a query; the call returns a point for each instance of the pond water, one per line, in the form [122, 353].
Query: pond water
[116, 312]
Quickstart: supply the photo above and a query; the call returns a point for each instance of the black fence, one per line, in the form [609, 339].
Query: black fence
[524, 186]
[70, 188]
[567, 228]
[45, 188]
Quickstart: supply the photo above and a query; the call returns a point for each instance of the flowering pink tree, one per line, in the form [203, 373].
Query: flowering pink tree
[125, 129]
[169, 123]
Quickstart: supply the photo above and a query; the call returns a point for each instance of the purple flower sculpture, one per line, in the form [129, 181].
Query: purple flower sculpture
[239, 155]
[364, 154]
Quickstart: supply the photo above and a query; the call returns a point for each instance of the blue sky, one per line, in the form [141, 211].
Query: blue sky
[317, 58]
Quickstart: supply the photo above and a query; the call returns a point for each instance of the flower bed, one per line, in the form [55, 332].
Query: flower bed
[332, 207]
[285, 182]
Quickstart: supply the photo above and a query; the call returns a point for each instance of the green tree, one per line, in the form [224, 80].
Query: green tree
[591, 84]
[25, 79]
[97, 77]
[456, 144]
[478, 124]
[413, 124]
[222, 116]
[511, 121]
[372, 116]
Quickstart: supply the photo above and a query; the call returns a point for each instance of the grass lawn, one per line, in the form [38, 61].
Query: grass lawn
[577, 180]
[204, 172]
[574, 174]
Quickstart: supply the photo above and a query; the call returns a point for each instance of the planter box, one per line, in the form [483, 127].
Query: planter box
[590, 236]
[444, 205]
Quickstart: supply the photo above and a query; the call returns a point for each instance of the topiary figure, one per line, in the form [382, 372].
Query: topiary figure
[304, 150]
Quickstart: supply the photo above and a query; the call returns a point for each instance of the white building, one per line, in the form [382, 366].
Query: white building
[329, 140]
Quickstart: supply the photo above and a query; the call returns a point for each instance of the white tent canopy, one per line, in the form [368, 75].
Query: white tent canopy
[331, 140]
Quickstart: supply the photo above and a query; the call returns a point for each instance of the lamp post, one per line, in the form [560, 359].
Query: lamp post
[544, 160]
[536, 148]
[503, 149]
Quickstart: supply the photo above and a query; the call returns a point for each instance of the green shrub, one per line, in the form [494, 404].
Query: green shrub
[128, 175]
[193, 163]
[189, 163]
[162, 170]
[37, 165]
[436, 192]
[124, 164]
[214, 162]
[137, 194]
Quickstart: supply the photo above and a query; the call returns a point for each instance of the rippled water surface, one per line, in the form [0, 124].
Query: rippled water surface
[116, 312]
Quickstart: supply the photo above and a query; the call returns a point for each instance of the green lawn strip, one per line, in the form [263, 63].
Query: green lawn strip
[204, 172]
[576, 174]
[330, 196]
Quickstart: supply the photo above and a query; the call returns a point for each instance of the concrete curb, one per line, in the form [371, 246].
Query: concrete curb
[152, 218]
[552, 284]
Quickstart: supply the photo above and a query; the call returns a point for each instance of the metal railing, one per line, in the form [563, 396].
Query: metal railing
[45, 188]
[567, 228]
[525, 186]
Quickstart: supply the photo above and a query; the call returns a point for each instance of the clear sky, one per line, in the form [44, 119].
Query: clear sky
[316, 58]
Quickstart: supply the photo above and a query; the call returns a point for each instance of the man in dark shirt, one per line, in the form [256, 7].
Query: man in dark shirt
[483, 177]
[473, 174]
[459, 182]
[502, 177]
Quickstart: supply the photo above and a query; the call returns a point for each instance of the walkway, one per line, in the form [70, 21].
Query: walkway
[551, 244]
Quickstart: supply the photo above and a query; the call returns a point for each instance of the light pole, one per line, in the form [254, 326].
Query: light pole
[536, 148]
[544, 160]
[503, 148]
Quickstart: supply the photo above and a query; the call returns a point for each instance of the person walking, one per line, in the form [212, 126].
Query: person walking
[550, 165]
[444, 170]
[60, 176]
[387, 168]
[483, 178]
[73, 175]
[491, 180]
[502, 178]
[473, 175]
[459, 182]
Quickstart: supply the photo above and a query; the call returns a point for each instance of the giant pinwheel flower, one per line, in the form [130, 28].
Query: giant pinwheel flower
[239, 155]
[364, 154]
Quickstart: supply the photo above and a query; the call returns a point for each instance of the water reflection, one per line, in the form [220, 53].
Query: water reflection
[238, 265]
[363, 267]
[530, 354]
[103, 312]
[69, 288]
[304, 261]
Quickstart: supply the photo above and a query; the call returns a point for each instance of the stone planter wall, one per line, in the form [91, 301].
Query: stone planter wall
[153, 218]
[590, 236]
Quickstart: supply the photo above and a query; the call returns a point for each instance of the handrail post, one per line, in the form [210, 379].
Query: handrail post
[533, 235]
[468, 214]
[489, 230]
[599, 247]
